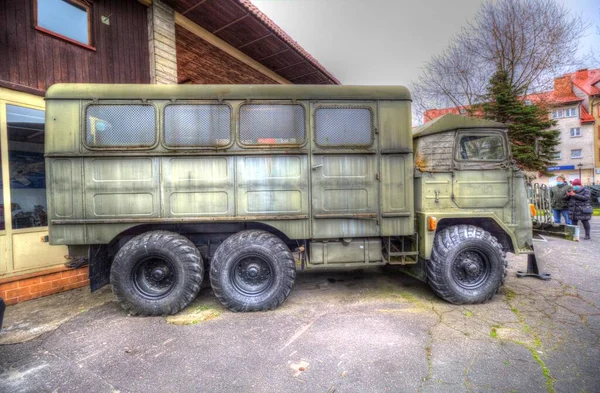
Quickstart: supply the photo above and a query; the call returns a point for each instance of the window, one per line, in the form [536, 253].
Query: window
[67, 19]
[272, 124]
[482, 147]
[197, 125]
[575, 131]
[570, 112]
[26, 164]
[462, 111]
[343, 127]
[557, 155]
[557, 114]
[528, 102]
[120, 126]
[577, 153]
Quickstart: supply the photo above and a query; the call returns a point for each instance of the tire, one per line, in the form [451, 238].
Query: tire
[156, 273]
[467, 266]
[252, 271]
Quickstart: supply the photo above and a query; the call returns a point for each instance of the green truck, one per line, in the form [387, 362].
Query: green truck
[161, 187]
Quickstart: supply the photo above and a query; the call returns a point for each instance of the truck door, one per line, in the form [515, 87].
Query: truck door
[483, 176]
[344, 171]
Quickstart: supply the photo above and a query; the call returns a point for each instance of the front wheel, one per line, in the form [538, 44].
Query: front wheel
[467, 265]
[252, 271]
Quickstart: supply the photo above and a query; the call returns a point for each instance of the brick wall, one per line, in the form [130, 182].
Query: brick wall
[21, 288]
[200, 62]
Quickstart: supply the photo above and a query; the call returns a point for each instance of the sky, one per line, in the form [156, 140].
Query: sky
[387, 41]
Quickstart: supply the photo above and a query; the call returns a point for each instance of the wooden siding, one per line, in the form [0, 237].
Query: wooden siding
[32, 61]
[199, 62]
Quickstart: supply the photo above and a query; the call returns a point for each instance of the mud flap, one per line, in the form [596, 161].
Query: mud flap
[535, 268]
[99, 262]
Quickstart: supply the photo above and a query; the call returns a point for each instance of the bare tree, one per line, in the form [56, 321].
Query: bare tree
[531, 40]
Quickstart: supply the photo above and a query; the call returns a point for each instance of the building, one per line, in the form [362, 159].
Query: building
[574, 103]
[43, 42]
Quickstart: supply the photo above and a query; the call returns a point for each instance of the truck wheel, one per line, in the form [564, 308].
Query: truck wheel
[467, 265]
[252, 271]
[156, 273]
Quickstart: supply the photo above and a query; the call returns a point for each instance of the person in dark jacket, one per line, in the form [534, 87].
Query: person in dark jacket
[580, 207]
[559, 200]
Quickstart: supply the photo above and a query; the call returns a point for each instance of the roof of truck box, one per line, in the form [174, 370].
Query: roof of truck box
[212, 92]
[451, 121]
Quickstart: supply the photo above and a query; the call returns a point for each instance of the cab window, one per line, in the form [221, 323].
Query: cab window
[481, 147]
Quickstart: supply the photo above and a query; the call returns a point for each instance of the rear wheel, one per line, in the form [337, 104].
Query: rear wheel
[467, 265]
[156, 273]
[252, 271]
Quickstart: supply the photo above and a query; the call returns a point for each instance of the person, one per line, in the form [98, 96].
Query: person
[580, 207]
[559, 200]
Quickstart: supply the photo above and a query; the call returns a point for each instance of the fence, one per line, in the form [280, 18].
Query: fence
[539, 197]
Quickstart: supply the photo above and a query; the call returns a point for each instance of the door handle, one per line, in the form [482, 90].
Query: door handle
[316, 166]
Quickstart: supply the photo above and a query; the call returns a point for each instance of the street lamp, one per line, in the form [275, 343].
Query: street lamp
[579, 166]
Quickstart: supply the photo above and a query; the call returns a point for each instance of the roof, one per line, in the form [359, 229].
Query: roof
[585, 116]
[552, 99]
[587, 80]
[242, 25]
[451, 122]
[213, 92]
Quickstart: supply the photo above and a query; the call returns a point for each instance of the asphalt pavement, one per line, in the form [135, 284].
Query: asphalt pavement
[362, 331]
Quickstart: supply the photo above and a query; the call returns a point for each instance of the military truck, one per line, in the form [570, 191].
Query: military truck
[158, 187]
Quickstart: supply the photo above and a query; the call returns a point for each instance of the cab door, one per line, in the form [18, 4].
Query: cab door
[482, 177]
[344, 171]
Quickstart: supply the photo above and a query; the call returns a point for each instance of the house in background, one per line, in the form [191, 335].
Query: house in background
[43, 42]
[575, 105]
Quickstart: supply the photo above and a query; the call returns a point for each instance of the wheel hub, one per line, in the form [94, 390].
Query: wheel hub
[154, 277]
[159, 273]
[470, 269]
[252, 275]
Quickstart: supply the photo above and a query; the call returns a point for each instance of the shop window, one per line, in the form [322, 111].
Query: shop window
[114, 126]
[197, 125]
[272, 124]
[67, 19]
[338, 127]
[25, 128]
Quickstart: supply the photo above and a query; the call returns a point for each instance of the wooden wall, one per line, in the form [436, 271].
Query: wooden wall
[31, 60]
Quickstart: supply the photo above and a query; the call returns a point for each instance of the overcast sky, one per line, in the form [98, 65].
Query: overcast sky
[386, 41]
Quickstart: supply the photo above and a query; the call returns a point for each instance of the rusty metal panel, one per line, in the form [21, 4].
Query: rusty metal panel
[272, 185]
[197, 186]
[346, 188]
[354, 251]
[481, 189]
[395, 131]
[121, 187]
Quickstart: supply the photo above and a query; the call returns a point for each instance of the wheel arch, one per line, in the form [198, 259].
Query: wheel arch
[487, 222]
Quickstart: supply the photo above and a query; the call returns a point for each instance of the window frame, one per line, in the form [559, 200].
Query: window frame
[232, 128]
[575, 135]
[460, 134]
[83, 132]
[571, 112]
[555, 113]
[75, 3]
[342, 106]
[576, 157]
[238, 118]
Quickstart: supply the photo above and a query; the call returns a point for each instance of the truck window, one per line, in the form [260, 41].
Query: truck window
[197, 125]
[120, 125]
[272, 124]
[335, 127]
[481, 148]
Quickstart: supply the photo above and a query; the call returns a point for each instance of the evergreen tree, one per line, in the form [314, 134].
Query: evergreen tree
[533, 141]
